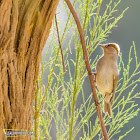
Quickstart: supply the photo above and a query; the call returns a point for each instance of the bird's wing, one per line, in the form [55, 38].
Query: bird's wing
[115, 82]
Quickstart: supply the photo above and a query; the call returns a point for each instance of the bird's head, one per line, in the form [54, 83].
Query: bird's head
[110, 48]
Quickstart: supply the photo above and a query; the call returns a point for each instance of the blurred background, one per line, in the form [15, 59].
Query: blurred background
[128, 30]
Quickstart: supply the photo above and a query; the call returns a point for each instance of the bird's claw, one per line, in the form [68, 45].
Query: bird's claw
[93, 73]
[98, 103]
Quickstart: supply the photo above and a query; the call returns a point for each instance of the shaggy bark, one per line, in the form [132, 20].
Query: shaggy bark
[24, 28]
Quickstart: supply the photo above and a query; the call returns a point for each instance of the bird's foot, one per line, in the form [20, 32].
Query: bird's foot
[93, 73]
[98, 103]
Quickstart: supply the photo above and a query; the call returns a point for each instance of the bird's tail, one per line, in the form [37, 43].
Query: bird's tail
[107, 108]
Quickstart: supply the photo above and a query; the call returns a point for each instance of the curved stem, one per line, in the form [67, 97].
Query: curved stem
[85, 53]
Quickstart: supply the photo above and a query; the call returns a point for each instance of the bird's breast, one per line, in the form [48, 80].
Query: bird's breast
[104, 76]
[104, 83]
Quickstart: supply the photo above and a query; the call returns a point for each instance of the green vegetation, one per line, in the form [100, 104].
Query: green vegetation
[63, 106]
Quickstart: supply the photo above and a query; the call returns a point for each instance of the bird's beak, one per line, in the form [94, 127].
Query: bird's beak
[101, 45]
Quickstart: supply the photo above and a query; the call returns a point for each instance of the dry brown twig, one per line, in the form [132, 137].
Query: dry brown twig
[64, 69]
[85, 53]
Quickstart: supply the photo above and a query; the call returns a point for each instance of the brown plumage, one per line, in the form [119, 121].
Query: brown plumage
[107, 74]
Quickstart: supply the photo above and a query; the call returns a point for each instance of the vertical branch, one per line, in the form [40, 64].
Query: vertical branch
[76, 85]
[85, 53]
[64, 69]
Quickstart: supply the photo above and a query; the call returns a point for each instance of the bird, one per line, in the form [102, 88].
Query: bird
[107, 74]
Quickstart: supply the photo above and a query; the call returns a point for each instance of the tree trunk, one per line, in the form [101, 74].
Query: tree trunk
[24, 28]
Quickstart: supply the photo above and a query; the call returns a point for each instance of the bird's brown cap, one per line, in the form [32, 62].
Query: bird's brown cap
[114, 45]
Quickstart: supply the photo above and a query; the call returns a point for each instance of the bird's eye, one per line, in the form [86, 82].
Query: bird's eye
[107, 46]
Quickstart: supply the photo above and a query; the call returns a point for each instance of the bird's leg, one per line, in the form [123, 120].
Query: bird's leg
[93, 73]
[100, 101]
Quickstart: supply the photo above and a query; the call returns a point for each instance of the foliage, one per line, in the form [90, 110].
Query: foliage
[63, 103]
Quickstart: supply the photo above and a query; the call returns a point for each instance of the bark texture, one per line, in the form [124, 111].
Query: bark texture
[24, 28]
